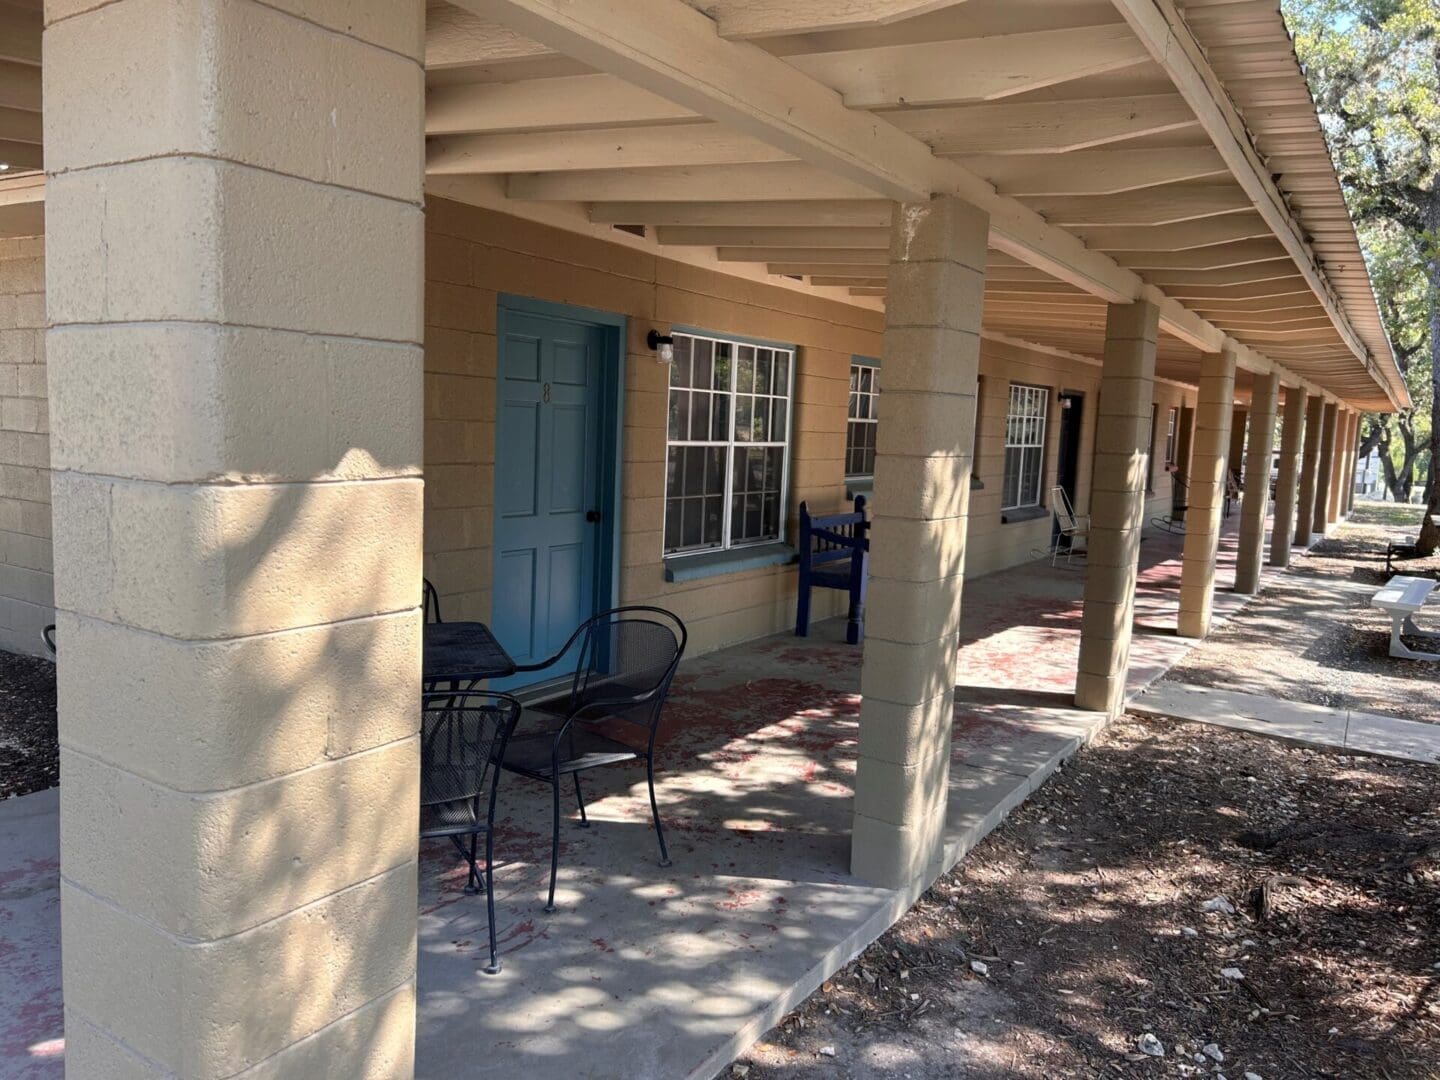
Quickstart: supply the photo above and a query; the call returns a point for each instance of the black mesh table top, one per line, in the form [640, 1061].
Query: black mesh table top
[462, 652]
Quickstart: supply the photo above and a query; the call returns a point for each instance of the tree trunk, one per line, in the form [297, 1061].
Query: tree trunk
[1430, 527]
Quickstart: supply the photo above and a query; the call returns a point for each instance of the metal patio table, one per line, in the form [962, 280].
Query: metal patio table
[462, 653]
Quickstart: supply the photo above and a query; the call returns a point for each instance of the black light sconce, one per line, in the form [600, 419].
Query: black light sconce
[661, 344]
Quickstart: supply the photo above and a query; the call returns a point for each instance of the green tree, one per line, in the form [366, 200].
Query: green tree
[1374, 68]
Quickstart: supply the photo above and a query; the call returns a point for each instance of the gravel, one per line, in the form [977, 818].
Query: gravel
[29, 753]
[1079, 906]
[1312, 636]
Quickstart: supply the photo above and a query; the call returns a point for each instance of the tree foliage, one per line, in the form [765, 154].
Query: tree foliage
[1374, 68]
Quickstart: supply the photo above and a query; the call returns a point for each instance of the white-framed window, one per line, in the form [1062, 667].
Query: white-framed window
[1025, 446]
[1150, 449]
[860, 423]
[1172, 429]
[727, 451]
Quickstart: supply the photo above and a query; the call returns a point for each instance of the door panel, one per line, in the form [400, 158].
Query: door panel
[548, 477]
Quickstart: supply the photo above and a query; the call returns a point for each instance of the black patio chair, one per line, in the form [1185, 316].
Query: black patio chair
[463, 736]
[430, 602]
[625, 663]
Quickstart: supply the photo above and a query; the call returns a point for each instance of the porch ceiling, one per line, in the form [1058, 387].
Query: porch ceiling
[1057, 105]
[775, 133]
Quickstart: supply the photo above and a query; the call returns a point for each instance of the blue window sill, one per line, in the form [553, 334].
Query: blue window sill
[1023, 513]
[859, 485]
[715, 563]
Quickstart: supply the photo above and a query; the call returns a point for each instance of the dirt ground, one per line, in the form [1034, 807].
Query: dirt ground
[29, 756]
[1081, 926]
[1313, 637]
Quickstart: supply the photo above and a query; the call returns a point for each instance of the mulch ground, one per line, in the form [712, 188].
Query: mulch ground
[1086, 923]
[29, 755]
[1312, 636]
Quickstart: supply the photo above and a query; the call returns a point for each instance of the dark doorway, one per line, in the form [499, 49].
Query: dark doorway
[1067, 466]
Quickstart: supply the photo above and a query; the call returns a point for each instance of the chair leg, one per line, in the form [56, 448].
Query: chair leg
[579, 798]
[802, 611]
[655, 809]
[472, 878]
[493, 968]
[554, 839]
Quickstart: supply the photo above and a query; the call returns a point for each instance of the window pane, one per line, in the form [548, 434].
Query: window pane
[680, 369]
[724, 360]
[764, 366]
[720, 418]
[672, 524]
[679, 415]
[700, 416]
[704, 364]
[743, 415]
[777, 420]
[745, 370]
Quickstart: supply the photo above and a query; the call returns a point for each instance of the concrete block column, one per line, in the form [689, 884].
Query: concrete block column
[1260, 445]
[1344, 470]
[1286, 484]
[1351, 466]
[234, 241]
[1207, 491]
[1235, 457]
[1309, 471]
[1325, 472]
[924, 443]
[1337, 465]
[1117, 504]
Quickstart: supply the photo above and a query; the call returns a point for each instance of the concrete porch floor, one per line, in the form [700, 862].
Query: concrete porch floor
[668, 973]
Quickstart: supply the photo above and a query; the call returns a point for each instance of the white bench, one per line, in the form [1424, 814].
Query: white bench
[1402, 597]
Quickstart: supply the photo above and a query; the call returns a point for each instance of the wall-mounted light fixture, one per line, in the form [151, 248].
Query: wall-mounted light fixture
[663, 345]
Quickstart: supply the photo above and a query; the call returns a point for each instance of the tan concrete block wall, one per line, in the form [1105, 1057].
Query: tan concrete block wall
[27, 594]
[473, 255]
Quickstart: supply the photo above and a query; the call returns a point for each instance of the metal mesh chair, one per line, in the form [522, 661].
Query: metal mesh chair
[626, 661]
[463, 737]
[430, 601]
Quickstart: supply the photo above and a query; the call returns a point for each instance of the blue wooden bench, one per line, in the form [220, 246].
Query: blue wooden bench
[834, 554]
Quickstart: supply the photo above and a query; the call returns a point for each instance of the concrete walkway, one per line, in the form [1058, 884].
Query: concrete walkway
[1295, 722]
[668, 974]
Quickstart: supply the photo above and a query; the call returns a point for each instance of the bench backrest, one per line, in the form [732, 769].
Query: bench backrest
[1401, 592]
[833, 537]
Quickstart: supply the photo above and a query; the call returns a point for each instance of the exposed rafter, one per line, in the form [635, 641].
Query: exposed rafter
[767, 18]
[639, 147]
[874, 214]
[1049, 127]
[567, 103]
[972, 69]
[1096, 172]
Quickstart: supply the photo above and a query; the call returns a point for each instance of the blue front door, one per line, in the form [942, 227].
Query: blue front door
[548, 482]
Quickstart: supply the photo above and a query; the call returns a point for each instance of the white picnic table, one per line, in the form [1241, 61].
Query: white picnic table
[1402, 597]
